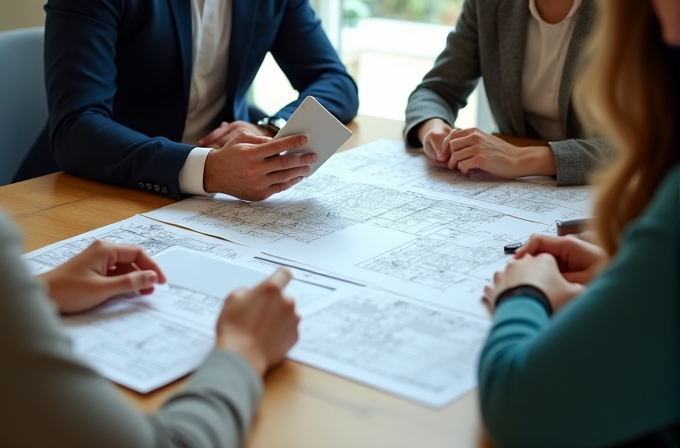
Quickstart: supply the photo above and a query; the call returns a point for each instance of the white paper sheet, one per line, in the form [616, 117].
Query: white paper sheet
[432, 249]
[152, 235]
[394, 344]
[145, 342]
[389, 163]
[421, 353]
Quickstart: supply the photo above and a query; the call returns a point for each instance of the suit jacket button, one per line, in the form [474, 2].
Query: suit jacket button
[148, 186]
[141, 184]
[156, 188]
[164, 190]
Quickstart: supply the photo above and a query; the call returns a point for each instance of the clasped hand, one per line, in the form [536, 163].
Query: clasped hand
[467, 149]
[561, 267]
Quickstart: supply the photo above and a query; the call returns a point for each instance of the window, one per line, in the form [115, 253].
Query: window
[386, 45]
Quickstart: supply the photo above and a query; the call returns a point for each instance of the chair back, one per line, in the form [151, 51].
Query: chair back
[23, 101]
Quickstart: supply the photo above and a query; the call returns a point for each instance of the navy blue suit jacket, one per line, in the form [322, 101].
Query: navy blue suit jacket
[118, 76]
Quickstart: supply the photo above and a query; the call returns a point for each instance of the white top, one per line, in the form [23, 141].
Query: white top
[211, 29]
[546, 50]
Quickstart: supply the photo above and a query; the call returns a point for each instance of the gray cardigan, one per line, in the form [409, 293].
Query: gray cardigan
[50, 398]
[489, 42]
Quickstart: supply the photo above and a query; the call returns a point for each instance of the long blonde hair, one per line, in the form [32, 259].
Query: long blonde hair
[628, 92]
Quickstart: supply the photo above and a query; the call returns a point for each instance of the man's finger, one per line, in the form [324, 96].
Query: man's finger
[132, 282]
[287, 162]
[215, 134]
[278, 188]
[277, 146]
[279, 177]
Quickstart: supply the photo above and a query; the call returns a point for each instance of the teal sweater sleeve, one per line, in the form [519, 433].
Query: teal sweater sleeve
[604, 370]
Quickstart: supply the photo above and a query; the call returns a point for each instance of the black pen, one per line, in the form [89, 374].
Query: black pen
[512, 247]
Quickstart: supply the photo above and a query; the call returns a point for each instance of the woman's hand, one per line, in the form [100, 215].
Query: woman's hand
[260, 324]
[220, 136]
[432, 134]
[100, 272]
[578, 261]
[467, 149]
[540, 271]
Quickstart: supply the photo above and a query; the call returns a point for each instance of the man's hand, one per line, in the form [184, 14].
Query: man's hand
[432, 133]
[220, 136]
[474, 149]
[100, 272]
[579, 261]
[247, 169]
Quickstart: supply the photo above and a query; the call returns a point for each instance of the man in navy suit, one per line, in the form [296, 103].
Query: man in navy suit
[153, 94]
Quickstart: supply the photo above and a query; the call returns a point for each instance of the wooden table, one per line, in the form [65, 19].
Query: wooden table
[302, 407]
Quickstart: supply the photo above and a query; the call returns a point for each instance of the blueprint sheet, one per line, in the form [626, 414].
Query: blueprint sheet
[433, 246]
[394, 344]
[145, 342]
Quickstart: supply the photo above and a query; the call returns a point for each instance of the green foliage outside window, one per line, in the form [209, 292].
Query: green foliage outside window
[443, 12]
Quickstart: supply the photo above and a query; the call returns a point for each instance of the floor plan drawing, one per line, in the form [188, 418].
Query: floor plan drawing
[135, 345]
[413, 350]
[442, 260]
[384, 162]
[537, 200]
[154, 237]
[430, 248]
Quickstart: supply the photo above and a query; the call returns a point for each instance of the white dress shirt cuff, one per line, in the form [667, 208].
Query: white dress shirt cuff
[191, 174]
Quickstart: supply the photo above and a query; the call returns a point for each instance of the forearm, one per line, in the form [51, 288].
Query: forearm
[94, 147]
[311, 64]
[335, 90]
[216, 408]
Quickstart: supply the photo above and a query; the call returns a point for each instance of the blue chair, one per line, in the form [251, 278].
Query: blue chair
[23, 101]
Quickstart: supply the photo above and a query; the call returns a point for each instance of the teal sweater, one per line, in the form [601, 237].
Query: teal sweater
[604, 369]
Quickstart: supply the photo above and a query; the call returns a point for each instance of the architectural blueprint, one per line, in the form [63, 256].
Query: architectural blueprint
[145, 342]
[136, 346]
[430, 248]
[394, 344]
[151, 235]
[389, 163]
[390, 254]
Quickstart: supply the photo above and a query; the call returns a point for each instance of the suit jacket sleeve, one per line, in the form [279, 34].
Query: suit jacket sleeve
[80, 70]
[312, 66]
[51, 398]
[445, 89]
[577, 159]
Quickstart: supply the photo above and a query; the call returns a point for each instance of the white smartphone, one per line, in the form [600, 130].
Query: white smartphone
[324, 132]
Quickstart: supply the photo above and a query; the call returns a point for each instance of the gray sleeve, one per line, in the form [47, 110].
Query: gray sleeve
[577, 159]
[445, 89]
[51, 398]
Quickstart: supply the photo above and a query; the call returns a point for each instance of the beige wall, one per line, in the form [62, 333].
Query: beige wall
[21, 13]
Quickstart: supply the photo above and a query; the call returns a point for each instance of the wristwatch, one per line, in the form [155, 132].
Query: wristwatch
[272, 124]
